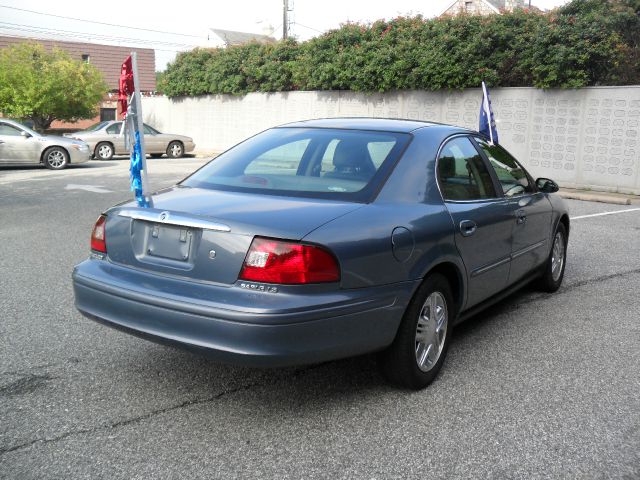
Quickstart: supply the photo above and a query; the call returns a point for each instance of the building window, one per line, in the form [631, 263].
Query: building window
[107, 114]
[468, 6]
[86, 57]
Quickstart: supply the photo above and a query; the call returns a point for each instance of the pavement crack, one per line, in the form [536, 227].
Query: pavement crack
[602, 278]
[153, 413]
[573, 286]
[25, 384]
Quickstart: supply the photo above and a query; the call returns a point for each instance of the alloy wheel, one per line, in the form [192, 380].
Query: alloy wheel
[105, 152]
[431, 331]
[176, 150]
[56, 159]
[557, 256]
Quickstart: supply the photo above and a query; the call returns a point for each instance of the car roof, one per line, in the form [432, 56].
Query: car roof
[12, 122]
[365, 123]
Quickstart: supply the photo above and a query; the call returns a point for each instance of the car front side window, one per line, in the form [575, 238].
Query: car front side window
[462, 174]
[512, 177]
[114, 129]
[9, 130]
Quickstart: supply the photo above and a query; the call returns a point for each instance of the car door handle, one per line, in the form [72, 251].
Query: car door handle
[521, 217]
[468, 228]
[1, 141]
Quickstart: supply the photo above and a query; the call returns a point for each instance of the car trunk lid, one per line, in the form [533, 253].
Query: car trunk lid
[205, 234]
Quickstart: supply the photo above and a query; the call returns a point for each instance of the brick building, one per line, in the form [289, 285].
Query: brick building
[108, 60]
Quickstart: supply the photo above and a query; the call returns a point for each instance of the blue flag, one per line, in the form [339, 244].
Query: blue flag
[135, 171]
[487, 121]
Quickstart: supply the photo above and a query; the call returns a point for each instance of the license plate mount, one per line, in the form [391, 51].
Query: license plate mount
[170, 242]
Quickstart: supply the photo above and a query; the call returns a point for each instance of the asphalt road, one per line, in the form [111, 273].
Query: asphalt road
[542, 386]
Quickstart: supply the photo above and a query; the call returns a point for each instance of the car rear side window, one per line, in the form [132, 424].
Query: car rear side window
[512, 177]
[316, 162]
[462, 174]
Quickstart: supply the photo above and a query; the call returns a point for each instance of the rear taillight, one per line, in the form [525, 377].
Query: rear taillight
[277, 261]
[98, 238]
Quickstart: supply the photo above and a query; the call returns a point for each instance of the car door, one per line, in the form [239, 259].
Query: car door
[481, 216]
[17, 146]
[116, 137]
[153, 141]
[530, 210]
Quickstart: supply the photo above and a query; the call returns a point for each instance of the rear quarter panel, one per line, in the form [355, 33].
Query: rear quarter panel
[409, 198]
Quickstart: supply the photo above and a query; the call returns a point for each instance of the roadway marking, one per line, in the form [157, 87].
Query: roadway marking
[88, 188]
[606, 213]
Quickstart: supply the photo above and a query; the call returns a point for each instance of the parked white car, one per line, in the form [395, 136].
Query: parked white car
[19, 145]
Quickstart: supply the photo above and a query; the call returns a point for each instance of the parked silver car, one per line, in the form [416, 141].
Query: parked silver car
[19, 145]
[106, 139]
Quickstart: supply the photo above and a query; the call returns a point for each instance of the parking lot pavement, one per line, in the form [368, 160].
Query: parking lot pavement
[542, 386]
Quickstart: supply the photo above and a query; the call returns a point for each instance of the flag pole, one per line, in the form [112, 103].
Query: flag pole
[138, 108]
[487, 109]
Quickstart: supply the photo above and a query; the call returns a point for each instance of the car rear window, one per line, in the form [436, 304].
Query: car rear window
[308, 162]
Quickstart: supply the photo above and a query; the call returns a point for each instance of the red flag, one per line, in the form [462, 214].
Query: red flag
[126, 85]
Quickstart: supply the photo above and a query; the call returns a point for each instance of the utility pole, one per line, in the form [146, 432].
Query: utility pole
[285, 19]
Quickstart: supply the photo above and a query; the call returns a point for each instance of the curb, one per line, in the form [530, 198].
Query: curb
[595, 197]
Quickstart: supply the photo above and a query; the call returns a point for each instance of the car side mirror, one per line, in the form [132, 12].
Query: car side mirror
[547, 185]
[25, 134]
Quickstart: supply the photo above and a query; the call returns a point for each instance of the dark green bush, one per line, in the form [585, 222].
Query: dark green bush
[586, 42]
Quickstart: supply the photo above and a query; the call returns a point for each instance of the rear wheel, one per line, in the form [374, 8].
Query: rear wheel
[56, 158]
[104, 151]
[175, 150]
[420, 347]
[554, 269]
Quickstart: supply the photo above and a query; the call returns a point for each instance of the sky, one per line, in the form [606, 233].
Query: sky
[169, 27]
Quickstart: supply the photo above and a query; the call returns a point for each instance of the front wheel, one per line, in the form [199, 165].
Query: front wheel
[104, 151]
[416, 355]
[554, 268]
[175, 150]
[56, 158]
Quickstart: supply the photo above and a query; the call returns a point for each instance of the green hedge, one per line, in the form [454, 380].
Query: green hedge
[586, 42]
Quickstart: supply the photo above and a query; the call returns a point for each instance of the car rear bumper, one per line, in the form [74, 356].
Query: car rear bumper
[268, 332]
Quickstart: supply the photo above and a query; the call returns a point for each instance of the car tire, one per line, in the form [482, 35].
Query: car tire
[175, 150]
[554, 267]
[104, 151]
[156, 155]
[55, 158]
[426, 327]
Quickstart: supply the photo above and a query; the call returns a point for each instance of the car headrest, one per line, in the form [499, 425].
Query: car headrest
[447, 167]
[353, 155]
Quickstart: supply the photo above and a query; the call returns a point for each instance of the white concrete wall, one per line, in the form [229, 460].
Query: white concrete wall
[587, 138]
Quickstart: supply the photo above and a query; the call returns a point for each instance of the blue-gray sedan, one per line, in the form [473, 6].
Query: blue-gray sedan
[325, 239]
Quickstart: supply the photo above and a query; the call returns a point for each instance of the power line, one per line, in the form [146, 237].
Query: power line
[49, 36]
[309, 28]
[67, 33]
[100, 23]
[72, 33]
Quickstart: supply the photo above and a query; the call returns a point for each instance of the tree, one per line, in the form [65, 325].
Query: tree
[44, 86]
[584, 43]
